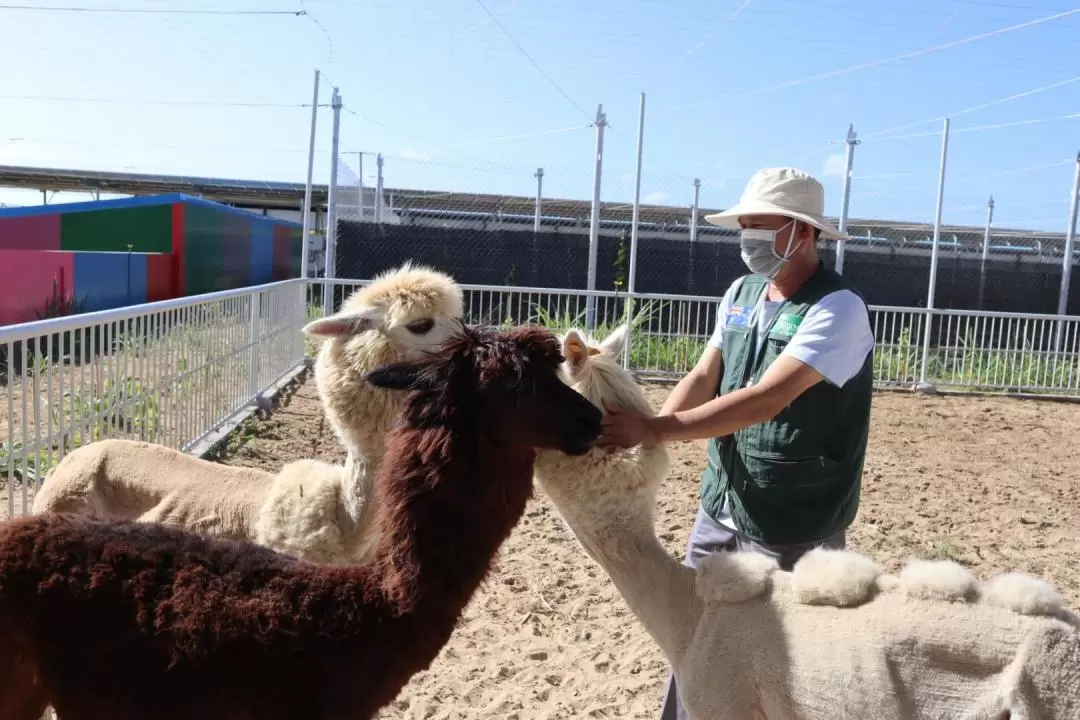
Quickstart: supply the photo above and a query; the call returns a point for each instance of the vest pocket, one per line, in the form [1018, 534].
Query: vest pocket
[766, 471]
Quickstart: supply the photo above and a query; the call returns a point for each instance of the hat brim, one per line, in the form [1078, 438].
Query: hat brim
[730, 218]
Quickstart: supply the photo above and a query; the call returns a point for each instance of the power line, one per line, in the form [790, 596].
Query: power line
[730, 18]
[426, 141]
[138, 101]
[149, 11]
[882, 61]
[973, 108]
[530, 58]
[522, 136]
[994, 126]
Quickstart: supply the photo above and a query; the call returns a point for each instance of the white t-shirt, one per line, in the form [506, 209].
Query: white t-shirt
[834, 337]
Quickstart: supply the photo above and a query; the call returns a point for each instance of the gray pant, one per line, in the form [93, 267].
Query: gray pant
[709, 536]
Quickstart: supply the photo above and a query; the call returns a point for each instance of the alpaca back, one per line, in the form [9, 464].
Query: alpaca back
[133, 479]
[845, 639]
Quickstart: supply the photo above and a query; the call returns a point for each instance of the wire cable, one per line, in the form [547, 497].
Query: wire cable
[138, 101]
[881, 61]
[973, 108]
[530, 58]
[149, 11]
[976, 128]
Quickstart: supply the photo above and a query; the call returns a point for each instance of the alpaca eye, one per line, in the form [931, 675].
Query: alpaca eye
[421, 327]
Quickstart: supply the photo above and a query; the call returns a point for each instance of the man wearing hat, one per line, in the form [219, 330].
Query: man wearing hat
[782, 391]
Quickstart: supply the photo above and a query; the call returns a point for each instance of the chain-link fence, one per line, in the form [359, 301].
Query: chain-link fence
[491, 224]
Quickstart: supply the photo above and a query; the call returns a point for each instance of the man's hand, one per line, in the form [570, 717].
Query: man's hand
[627, 428]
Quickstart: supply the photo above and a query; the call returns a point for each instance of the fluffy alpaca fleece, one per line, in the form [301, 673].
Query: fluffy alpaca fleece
[154, 483]
[593, 369]
[836, 638]
[295, 511]
[130, 621]
[302, 512]
[310, 509]
[402, 314]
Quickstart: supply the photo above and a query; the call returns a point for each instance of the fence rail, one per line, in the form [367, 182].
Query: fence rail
[181, 371]
[171, 372]
[981, 351]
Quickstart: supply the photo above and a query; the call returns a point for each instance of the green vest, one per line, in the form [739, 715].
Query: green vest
[795, 478]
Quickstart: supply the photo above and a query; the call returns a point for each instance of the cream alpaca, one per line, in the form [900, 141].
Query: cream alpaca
[835, 638]
[310, 509]
[153, 483]
[403, 314]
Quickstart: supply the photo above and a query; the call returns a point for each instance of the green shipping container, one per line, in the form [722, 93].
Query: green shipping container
[204, 256]
[147, 228]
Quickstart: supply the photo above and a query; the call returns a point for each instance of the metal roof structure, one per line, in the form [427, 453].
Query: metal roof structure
[290, 196]
[243, 193]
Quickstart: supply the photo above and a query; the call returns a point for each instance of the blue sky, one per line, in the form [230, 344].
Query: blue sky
[445, 92]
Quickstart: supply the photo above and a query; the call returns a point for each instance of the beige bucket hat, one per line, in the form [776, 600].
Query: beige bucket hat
[780, 191]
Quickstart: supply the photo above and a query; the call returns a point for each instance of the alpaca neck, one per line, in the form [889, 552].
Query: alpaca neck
[358, 499]
[446, 504]
[608, 503]
[359, 413]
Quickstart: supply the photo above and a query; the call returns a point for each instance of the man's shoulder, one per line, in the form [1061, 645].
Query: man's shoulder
[834, 282]
[840, 301]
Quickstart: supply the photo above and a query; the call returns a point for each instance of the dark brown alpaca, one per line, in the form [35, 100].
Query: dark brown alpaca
[128, 621]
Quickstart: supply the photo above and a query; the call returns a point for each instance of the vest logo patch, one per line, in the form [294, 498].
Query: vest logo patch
[786, 325]
[738, 316]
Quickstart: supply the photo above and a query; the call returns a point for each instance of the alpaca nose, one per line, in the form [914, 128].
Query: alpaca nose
[590, 422]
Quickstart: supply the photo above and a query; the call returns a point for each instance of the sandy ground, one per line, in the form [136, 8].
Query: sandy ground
[989, 482]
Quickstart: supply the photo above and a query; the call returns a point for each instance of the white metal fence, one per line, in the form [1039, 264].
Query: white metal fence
[182, 372]
[173, 372]
[950, 349]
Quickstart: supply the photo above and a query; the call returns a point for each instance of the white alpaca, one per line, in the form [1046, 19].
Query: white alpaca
[835, 638]
[309, 509]
[400, 316]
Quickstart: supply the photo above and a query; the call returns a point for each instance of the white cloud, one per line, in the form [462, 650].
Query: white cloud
[834, 166]
[656, 198]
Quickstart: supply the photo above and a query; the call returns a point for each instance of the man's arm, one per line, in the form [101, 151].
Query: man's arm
[831, 344]
[698, 385]
[785, 380]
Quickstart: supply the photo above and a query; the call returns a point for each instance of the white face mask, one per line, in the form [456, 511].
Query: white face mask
[759, 251]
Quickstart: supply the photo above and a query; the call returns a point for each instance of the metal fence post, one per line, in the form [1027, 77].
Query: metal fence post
[594, 220]
[923, 385]
[1067, 259]
[255, 303]
[331, 209]
[851, 141]
[985, 250]
[694, 210]
[539, 175]
[636, 214]
[378, 188]
[305, 252]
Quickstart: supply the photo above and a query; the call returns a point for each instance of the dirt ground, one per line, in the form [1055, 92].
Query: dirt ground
[990, 482]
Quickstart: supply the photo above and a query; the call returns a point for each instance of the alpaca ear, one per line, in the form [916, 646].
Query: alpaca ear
[400, 376]
[575, 349]
[345, 323]
[615, 343]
